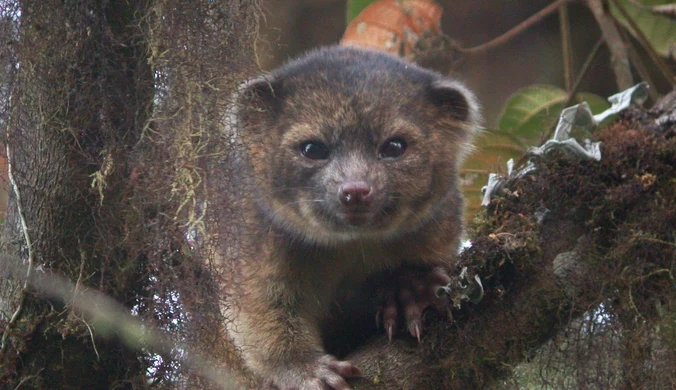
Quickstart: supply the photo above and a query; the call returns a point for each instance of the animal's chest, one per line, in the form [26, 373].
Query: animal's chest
[349, 317]
[354, 262]
[322, 276]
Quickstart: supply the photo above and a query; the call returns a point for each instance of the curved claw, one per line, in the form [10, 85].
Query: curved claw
[410, 293]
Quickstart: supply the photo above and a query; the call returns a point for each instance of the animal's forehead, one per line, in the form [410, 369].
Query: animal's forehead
[346, 124]
[336, 115]
[342, 106]
[349, 66]
[363, 88]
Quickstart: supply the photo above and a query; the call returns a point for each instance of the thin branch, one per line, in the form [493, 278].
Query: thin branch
[566, 46]
[26, 379]
[29, 248]
[91, 334]
[640, 67]
[516, 30]
[619, 57]
[112, 318]
[645, 42]
[583, 71]
[639, 4]
[668, 10]
[576, 85]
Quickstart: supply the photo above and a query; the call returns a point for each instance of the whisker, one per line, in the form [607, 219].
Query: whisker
[305, 201]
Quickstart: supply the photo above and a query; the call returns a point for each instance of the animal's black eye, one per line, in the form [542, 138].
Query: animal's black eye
[392, 148]
[314, 150]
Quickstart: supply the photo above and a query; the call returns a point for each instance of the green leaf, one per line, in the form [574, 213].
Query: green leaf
[492, 150]
[659, 30]
[597, 104]
[354, 7]
[531, 110]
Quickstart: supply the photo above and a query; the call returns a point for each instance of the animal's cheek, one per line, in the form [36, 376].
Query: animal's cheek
[411, 174]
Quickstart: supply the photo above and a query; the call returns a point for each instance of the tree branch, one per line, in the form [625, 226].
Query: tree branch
[516, 30]
[619, 57]
[556, 244]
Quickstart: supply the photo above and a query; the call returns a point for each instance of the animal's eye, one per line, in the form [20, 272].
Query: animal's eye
[392, 148]
[314, 150]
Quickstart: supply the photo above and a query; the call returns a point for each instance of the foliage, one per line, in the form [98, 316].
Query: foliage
[354, 7]
[659, 30]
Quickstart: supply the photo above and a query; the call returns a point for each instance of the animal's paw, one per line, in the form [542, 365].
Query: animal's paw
[411, 290]
[324, 373]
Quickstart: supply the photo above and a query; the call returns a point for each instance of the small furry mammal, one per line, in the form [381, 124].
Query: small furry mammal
[353, 158]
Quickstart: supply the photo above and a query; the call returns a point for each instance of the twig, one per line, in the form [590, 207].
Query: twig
[639, 4]
[26, 379]
[516, 29]
[619, 57]
[29, 247]
[583, 72]
[576, 85]
[112, 318]
[566, 47]
[650, 239]
[91, 334]
[668, 10]
[641, 68]
[75, 294]
[645, 42]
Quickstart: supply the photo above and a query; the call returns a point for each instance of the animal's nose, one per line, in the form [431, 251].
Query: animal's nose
[355, 193]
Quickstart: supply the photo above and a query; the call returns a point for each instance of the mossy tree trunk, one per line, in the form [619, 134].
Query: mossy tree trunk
[107, 110]
[80, 96]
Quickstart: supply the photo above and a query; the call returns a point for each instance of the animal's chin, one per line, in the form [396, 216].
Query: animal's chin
[366, 223]
[347, 227]
[356, 219]
[340, 224]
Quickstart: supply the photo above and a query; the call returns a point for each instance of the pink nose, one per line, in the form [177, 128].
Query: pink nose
[354, 193]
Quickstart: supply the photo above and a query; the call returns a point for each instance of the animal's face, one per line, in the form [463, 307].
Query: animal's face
[367, 152]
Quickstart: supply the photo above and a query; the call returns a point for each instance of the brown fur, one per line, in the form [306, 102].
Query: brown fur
[304, 264]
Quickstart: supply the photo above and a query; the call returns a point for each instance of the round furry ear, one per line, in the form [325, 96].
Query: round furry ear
[260, 93]
[455, 98]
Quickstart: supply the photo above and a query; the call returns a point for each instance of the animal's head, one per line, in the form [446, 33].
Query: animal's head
[347, 143]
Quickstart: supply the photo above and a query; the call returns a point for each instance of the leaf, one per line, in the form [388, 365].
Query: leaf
[531, 111]
[354, 8]
[620, 101]
[492, 150]
[394, 26]
[534, 109]
[659, 30]
[597, 104]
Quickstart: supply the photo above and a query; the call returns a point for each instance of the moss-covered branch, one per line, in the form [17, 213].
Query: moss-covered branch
[555, 244]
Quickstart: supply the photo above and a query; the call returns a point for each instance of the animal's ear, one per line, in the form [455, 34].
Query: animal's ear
[455, 100]
[261, 94]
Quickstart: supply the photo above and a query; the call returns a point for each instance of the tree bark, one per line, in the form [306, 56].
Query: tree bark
[78, 100]
[111, 106]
